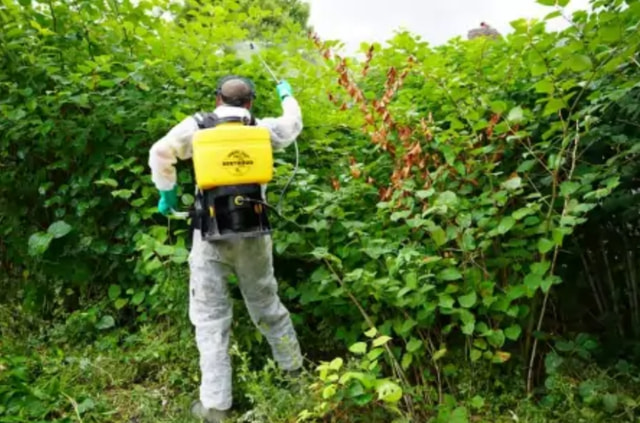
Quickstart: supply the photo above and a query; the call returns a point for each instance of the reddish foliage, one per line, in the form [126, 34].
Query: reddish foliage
[380, 125]
[335, 183]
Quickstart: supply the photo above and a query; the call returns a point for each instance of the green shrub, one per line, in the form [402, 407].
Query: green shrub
[441, 203]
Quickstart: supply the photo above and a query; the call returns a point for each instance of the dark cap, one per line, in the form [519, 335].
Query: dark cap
[235, 90]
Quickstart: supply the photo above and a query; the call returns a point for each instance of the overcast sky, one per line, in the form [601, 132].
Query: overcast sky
[354, 21]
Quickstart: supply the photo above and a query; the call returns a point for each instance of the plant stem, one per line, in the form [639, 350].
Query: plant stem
[592, 283]
[555, 255]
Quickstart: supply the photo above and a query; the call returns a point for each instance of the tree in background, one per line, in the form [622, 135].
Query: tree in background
[266, 16]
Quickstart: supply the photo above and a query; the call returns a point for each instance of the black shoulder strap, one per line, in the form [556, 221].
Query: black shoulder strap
[211, 120]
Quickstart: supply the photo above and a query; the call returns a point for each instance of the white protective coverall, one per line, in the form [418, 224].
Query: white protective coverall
[211, 263]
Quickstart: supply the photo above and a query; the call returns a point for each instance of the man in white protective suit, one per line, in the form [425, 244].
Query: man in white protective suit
[212, 262]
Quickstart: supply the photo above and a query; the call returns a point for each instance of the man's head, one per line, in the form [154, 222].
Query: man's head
[235, 91]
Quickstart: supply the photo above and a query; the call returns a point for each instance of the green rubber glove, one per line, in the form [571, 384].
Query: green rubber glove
[168, 201]
[284, 90]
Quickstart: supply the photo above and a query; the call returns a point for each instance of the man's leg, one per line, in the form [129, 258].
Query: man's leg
[254, 268]
[210, 312]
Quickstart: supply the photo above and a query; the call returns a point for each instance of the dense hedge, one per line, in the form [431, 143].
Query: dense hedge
[448, 198]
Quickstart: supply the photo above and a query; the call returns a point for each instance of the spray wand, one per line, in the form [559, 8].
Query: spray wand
[295, 143]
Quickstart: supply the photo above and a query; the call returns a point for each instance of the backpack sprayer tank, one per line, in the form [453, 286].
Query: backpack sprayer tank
[232, 158]
[232, 154]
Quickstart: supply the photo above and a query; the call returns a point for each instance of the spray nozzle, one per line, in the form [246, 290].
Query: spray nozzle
[266, 66]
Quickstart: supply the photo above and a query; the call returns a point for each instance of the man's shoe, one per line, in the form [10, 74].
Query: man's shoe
[209, 415]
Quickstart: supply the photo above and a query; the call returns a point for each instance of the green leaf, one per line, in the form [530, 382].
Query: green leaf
[381, 340]
[506, 224]
[388, 391]
[496, 338]
[552, 362]
[406, 327]
[540, 268]
[120, 303]
[358, 348]
[547, 283]
[587, 389]
[425, 193]
[467, 317]
[553, 106]
[459, 415]
[59, 229]
[446, 301]
[565, 346]
[355, 390]
[567, 188]
[610, 402]
[475, 354]
[469, 300]
[512, 184]
[439, 354]
[545, 245]
[468, 321]
[439, 236]
[477, 402]
[468, 328]
[125, 194]
[365, 379]
[336, 364]
[516, 115]
[407, 359]
[138, 298]
[39, 243]
[414, 345]
[579, 63]
[371, 333]
[468, 241]
[329, 391]
[108, 182]
[363, 399]
[544, 86]
[498, 106]
[187, 199]
[522, 213]
[400, 215]
[553, 15]
[513, 332]
[449, 274]
[610, 33]
[375, 353]
[538, 69]
[114, 292]
[447, 198]
[106, 322]
[501, 357]
[533, 281]
[526, 166]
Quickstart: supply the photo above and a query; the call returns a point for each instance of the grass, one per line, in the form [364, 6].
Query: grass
[72, 372]
[150, 375]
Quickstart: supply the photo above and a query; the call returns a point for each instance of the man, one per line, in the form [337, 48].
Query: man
[211, 263]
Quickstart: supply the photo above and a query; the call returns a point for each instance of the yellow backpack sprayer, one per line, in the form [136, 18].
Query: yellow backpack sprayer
[231, 160]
